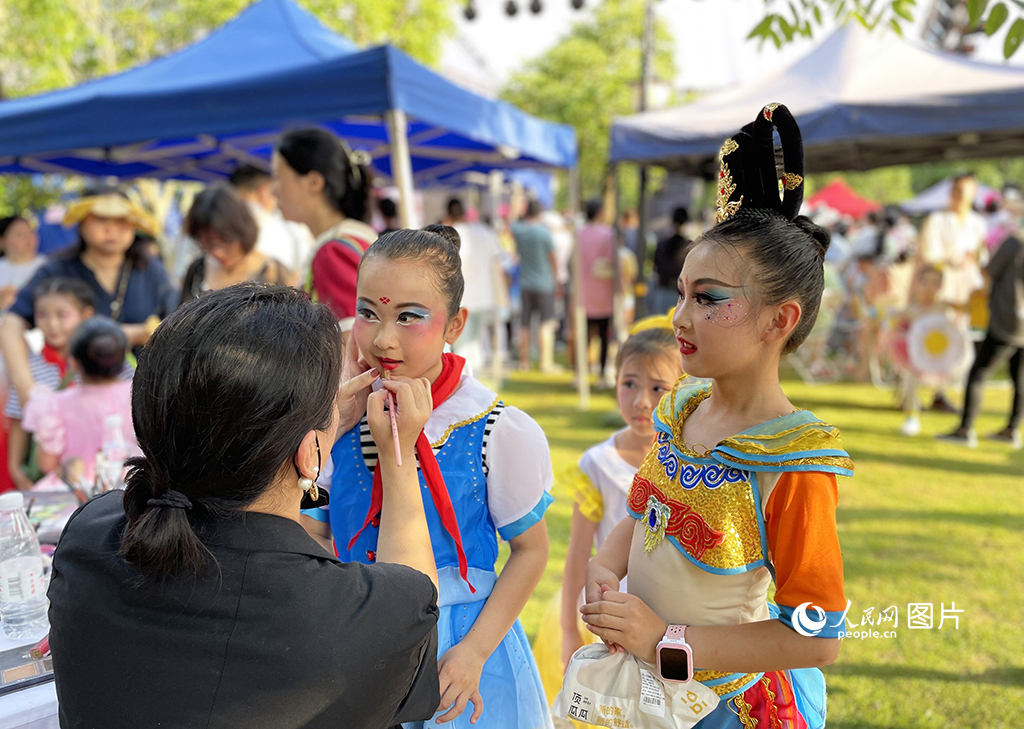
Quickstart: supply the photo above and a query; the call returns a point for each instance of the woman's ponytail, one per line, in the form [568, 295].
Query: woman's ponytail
[160, 538]
[346, 173]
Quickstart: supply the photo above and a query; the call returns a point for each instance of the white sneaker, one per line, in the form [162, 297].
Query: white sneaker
[911, 426]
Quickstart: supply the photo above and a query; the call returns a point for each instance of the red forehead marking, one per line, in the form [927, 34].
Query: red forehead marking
[385, 300]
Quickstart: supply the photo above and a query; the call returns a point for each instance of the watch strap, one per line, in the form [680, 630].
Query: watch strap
[676, 632]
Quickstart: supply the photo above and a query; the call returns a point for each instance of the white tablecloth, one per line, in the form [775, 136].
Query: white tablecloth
[31, 708]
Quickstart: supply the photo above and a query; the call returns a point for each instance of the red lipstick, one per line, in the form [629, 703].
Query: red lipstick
[685, 347]
[389, 364]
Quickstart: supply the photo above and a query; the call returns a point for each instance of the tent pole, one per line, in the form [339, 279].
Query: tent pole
[579, 313]
[496, 181]
[401, 164]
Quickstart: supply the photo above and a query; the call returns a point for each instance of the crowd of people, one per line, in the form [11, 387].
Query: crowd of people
[928, 307]
[292, 552]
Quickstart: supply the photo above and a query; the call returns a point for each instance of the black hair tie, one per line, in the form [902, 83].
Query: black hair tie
[172, 500]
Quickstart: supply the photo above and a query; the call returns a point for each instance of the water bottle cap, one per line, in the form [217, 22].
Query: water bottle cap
[12, 501]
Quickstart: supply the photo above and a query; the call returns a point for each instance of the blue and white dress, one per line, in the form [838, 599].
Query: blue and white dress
[497, 468]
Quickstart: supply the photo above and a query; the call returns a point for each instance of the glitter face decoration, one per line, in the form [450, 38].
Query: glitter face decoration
[723, 305]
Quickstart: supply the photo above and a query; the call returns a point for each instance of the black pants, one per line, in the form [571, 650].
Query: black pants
[602, 331]
[991, 353]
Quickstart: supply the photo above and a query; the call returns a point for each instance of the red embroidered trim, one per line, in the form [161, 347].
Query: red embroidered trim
[685, 524]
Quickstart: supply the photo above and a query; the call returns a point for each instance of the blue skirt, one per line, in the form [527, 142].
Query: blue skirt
[510, 683]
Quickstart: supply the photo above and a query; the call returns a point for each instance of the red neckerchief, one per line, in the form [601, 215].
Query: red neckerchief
[441, 390]
[52, 356]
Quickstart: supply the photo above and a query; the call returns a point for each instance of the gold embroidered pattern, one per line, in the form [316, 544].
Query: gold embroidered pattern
[773, 710]
[833, 461]
[743, 712]
[792, 180]
[727, 688]
[468, 421]
[769, 110]
[728, 509]
[728, 148]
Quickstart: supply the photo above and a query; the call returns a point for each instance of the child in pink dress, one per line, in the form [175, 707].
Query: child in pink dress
[72, 423]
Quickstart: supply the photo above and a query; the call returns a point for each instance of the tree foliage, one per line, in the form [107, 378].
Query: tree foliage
[591, 76]
[783, 21]
[52, 44]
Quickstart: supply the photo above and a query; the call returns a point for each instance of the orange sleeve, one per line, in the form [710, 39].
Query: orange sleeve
[800, 520]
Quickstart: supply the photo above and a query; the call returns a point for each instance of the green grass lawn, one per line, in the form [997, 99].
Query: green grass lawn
[921, 522]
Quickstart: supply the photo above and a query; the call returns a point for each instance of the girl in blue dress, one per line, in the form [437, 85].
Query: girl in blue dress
[485, 470]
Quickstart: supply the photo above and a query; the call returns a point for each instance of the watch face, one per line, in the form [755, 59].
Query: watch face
[675, 664]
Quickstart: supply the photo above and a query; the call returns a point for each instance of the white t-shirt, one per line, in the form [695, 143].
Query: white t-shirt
[18, 274]
[282, 240]
[956, 246]
[610, 474]
[480, 251]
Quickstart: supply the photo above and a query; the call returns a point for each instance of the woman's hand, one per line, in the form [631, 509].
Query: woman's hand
[356, 378]
[414, 404]
[459, 670]
[572, 641]
[625, 622]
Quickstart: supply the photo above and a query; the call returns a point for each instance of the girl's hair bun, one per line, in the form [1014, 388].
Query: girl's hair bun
[822, 238]
[448, 233]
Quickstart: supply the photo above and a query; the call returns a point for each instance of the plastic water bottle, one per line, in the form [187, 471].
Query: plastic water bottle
[23, 601]
[110, 467]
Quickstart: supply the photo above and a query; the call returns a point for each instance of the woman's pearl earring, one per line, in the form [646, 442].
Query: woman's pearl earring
[309, 484]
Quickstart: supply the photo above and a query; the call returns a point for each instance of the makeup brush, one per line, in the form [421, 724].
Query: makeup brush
[394, 420]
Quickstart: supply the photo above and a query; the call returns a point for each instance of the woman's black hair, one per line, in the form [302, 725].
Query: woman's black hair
[72, 287]
[346, 184]
[787, 256]
[99, 346]
[225, 391]
[649, 344]
[220, 210]
[438, 245]
[7, 222]
[136, 255]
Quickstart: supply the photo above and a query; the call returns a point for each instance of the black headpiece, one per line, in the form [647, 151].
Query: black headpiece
[749, 176]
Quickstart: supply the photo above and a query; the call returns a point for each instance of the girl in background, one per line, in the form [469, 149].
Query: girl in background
[322, 184]
[485, 473]
[60, 305]
[74, 422]
[647, 367]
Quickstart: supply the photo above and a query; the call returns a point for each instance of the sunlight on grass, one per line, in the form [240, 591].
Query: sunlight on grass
[921, 522]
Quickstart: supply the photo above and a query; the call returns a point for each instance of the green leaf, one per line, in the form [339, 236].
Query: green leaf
[975, 10]
[996, 17]
[896, 27]
[762, 28]
[902, 9]
[786, 28]
[1014, 37]
[817, 15]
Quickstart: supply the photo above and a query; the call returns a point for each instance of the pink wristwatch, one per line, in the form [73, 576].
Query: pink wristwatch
[675, 657]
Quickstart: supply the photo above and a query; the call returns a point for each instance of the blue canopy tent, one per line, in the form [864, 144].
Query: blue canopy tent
[862, 100]
[200, 112]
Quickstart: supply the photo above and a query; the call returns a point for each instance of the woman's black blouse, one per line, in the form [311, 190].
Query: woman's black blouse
[282, 636]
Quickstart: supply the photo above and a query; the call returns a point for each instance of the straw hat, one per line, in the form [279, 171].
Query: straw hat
[110, 205]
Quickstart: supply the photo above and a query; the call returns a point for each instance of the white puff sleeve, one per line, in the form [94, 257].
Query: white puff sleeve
[519, 473]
